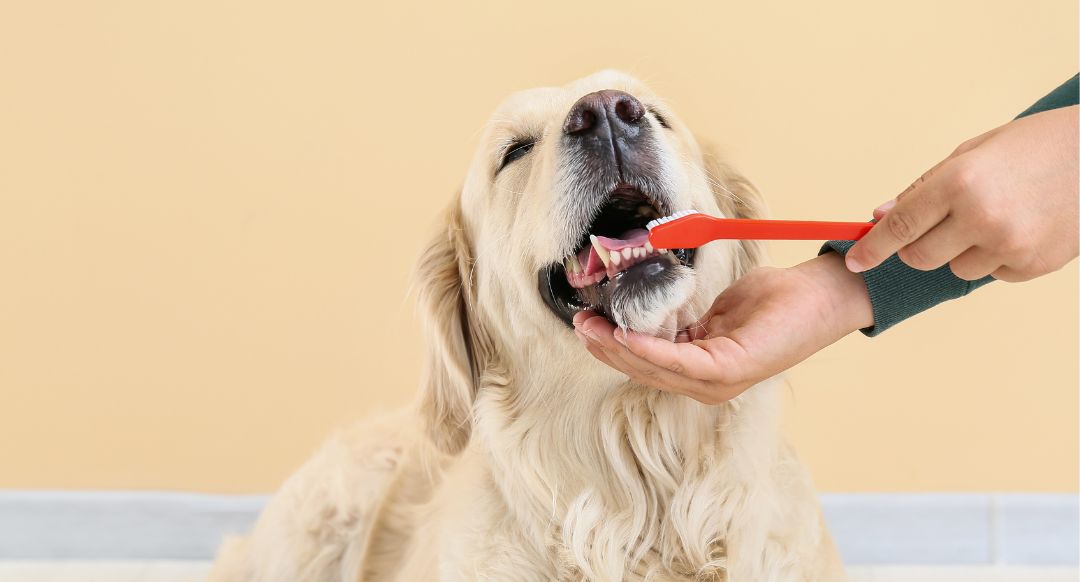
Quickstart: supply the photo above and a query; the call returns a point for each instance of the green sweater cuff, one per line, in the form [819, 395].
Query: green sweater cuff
[898, 291]
[1066, 94]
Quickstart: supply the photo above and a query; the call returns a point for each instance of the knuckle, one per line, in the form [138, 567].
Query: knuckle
[983, 217]
[963, 271]
[1013, 244]
[1026, 269]
[1025, 275]
[963, 177]
[915, 256]
[901, 224]
[966, 146]
[677, 368]
[1008, 275]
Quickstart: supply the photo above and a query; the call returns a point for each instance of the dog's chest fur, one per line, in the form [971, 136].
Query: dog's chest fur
[638, 485]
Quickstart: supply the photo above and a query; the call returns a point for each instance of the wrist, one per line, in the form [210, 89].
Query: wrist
[843, 294]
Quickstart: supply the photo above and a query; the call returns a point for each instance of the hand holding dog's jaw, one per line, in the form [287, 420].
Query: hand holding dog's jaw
[763, 324]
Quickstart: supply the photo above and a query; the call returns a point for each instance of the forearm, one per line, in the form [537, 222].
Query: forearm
[896, 291]
[844, 295]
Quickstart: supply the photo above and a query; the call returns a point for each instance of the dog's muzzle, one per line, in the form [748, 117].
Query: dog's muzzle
[613, 164]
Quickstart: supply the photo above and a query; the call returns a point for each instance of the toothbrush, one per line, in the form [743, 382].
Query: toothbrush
[690, 229]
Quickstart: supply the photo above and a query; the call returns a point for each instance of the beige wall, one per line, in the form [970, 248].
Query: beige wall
[208, 211]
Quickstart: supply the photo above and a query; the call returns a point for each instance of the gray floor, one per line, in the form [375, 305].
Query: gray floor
[192, 571]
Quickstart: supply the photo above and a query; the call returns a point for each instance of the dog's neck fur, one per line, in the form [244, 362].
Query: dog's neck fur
[623, 476]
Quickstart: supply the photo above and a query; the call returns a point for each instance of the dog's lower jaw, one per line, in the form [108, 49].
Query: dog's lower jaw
[655, 310]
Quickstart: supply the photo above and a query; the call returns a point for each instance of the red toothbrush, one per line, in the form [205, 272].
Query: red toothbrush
[690, 229]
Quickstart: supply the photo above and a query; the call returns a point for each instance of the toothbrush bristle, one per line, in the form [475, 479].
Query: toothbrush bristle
[665, 219]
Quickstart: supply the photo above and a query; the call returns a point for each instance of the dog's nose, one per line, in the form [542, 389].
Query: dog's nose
[621, 110]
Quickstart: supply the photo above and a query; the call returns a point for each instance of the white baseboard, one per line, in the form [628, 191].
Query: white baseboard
[1038, 529]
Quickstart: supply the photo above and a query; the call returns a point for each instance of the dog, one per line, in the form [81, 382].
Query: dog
[524, 458]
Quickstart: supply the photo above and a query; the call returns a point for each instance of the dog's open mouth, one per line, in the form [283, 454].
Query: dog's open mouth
[613, 256]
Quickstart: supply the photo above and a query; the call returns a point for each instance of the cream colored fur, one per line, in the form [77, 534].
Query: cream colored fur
[525, 459]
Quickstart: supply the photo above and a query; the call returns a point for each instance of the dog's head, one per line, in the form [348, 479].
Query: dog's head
[551, 221]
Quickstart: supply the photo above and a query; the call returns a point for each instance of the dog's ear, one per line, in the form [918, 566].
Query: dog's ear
[443, 278]
[737, 198]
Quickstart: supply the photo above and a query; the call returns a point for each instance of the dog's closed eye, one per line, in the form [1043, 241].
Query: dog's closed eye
[515, 151]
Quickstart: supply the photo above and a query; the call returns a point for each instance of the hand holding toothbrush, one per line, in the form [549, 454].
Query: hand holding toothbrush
[1005, 203]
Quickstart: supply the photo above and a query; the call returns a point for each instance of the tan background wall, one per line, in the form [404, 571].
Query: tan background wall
[208, 211]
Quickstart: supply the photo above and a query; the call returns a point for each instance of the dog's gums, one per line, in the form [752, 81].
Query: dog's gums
[607, 256]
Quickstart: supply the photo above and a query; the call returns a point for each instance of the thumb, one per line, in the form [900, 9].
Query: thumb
[698, 330]
[884, 209]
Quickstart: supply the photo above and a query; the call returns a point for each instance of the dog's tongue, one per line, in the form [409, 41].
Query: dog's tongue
[591, 262]
[630, 238]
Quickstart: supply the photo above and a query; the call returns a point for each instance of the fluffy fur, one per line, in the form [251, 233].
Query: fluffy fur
[524, 458]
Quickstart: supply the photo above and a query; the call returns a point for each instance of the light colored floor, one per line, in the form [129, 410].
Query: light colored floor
[164, 571]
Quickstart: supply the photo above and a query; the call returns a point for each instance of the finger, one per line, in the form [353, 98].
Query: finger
[914, 214]
[689, 359]
[596, 325]
[611, 352]
[582, 316]
[597, 352]
[974, 264]
[924, 177]
[1011, 275]
[708, 391]
[650, 374]
[884, 209]
[603, 333]
[938, 246]
[699, 329]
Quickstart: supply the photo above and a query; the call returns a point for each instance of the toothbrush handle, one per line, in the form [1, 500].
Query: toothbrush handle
[697, 229]
[750, 229]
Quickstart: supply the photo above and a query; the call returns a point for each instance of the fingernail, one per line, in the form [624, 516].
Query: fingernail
[620, 336]
[853, 264]
[886, 207]
[590, 336]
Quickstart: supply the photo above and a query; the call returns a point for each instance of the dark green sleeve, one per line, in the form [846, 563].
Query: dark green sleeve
[897, 291]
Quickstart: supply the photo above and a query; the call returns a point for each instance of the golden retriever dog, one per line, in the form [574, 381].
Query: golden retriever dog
[526, 459]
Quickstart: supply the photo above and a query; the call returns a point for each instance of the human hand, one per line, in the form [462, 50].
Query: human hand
[764, 323]
[1003, 204]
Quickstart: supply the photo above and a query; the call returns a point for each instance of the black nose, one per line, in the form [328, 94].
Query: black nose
[621, 110]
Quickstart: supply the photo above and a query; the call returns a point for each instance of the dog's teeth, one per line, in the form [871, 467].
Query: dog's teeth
[639, 252]
[663, 251]
[627, 253]
[605, 257]
[616, 258]
[648, 247]
[572, 265]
